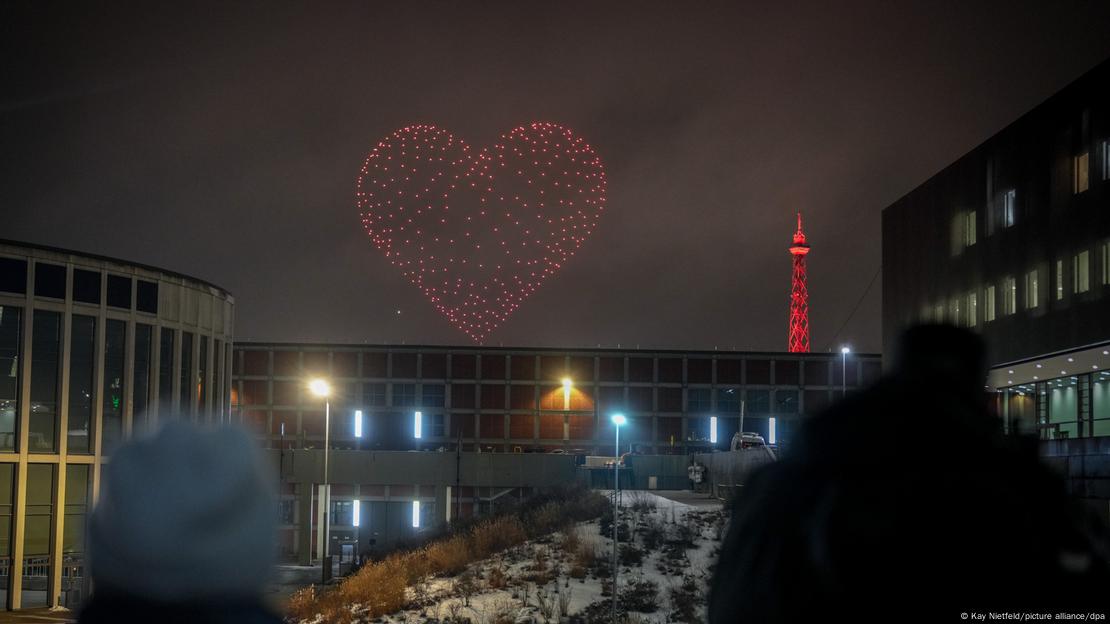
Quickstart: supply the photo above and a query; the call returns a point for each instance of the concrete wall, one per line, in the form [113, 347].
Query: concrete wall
[727, 471]
[425, 468]
[1085, 464]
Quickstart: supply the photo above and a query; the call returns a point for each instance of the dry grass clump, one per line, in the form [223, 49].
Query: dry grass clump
[379, 588]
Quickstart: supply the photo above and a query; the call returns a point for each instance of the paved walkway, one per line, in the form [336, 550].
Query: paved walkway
[686, 497]
[37, 616]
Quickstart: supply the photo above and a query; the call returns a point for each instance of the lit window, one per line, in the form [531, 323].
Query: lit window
[1059, 280]
[1105, 150]
[1031, 293]
[972, 309]
[954, 311]
[988, 304]
[1009, 296]
[1106, 262]
[1080, 274]
[1009, 199]
[1080, 181]
[963, 231]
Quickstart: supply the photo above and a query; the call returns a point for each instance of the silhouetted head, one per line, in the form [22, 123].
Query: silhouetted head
[942, 354]
[904, 502]
[186, 515]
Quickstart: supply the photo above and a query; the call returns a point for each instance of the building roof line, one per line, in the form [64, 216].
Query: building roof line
[101, 257]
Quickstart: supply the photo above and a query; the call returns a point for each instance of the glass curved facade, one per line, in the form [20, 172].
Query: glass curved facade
[93, 350]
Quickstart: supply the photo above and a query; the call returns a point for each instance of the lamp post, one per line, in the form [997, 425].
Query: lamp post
[321, 388]
[618, 420]
[844, 351]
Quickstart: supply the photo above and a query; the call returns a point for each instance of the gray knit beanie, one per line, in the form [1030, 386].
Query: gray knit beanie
[187, 514]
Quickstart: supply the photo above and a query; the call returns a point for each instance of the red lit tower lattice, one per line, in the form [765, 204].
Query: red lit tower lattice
[799, 295]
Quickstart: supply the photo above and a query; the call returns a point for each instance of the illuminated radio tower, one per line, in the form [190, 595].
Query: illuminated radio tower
[799, 295]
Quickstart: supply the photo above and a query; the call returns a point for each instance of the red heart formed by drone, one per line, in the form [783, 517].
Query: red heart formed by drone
[479, 232]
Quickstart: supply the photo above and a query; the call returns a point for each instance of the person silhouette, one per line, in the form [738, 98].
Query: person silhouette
[905, 502]
[183, 531]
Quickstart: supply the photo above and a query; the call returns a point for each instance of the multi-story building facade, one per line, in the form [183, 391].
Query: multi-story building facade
[1013, 241]
[533, 400]
[498, 401]
[93, 350]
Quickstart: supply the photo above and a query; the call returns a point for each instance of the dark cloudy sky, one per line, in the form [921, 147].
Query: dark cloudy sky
[225, 144]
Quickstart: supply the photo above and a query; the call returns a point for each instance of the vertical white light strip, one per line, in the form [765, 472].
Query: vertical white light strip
[771, 431]
[417, 425]
[416, 512]
[358, 424]
[355, 513]
[713, 429]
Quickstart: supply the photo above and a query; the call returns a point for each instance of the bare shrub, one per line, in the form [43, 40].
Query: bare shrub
[684, 599]
[545, 603]
[564, 603]
[497, 577]
[642, 502]
[630, 555]
[466, 587]
[640, 595]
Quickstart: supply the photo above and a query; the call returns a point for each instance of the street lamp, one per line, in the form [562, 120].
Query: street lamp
[321, 388]
[618, 420]
[844, 351]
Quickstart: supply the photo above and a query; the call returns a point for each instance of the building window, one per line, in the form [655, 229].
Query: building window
[1080, 273]
[954, 311]
[1059, 280]
[1106, 263]
[434, 425]
[988, 304]
[432, 395]
[938, 313]
[165, 372]
[86, 286]
[963, 231]
[119, 291]
[728, 400]
[82, 383]
[1031, 293]
[10, 347]
[341, 512]
[1080, 181]
[1009, 199]
[13, 275]
[404, 395]
[46, 348]
[697, 400]
[1009, 296]
[50, 280]
[972, 309]
[373, 394]
[76, 508]
[115, 349]
[146, 297]
[1104, 149]
[786, 401]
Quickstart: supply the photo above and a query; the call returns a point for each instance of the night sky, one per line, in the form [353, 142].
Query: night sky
[226, 145]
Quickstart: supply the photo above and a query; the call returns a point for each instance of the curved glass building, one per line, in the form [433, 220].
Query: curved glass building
[93, 350]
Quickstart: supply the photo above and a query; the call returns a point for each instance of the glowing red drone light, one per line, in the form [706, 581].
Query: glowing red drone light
[479, 232]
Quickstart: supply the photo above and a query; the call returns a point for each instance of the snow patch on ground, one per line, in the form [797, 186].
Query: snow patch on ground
[668, 553]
